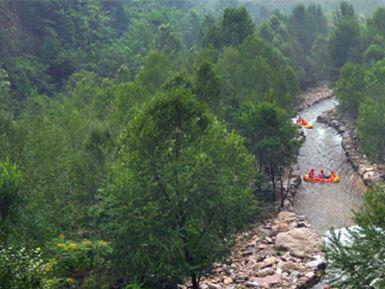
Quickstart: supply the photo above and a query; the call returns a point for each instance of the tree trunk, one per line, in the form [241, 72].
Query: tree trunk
[284, 196]
[194, 281]
[282, 193]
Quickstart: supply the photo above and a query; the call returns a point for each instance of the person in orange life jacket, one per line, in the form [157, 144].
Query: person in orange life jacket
[311, 173]
[300, 120]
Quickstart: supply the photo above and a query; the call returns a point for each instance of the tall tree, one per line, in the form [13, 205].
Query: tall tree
[350, 88]
[358, 260]
[208, 87]
[371, 128]
[270, 136]
[179, 191]
[344, 43]
[237, 25]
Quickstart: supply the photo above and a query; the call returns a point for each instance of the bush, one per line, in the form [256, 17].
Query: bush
[22, 269]
[81, 265]
[9, 195]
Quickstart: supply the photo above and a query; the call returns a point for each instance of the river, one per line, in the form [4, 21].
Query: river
[326, 205]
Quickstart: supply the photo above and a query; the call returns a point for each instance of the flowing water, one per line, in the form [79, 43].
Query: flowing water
[326, 205]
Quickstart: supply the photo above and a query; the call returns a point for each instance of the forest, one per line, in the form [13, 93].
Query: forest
[138, 137]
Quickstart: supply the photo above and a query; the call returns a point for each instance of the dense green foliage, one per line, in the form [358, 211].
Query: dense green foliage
[359, 88]
[350, 88]
[359, 48]
[344, 44]
[55, 38]
[359, 261]
[261, 9]
[153, 125]
[120, 122]
[174, 197]
[301, 37]
[21, 269]
[270, 136]
[10, 198]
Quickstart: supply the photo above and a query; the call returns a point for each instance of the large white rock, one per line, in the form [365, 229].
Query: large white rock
[300, 240]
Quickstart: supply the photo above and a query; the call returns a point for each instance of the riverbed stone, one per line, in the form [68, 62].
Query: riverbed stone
[269, 281]
[299, 240]
[291, 266]
[252, 284]
[286, 216]
[265, 272]
[283, 227]
[370, 177]
[315, 264]
[213, 286]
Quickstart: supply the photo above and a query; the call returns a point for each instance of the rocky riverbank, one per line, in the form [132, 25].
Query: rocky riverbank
[369, 172]
[283, 252]
[315, 95]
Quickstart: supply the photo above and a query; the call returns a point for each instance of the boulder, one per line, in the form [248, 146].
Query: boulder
[299, 240]
[371, 177]
[268, 281]
[363, 169]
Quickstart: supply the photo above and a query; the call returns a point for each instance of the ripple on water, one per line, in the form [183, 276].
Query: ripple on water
[326, 205]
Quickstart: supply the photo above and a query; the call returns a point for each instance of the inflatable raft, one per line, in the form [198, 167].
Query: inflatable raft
[304, 124]
[332, 179]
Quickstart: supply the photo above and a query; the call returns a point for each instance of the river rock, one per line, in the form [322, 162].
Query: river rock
[252, 284]
[265, 272]
[213, 286]
[286, 216]
[283, 227]
[363, 169]
[268, 262]
[227, 280]
[371, 177]
[316, 264]
[300, 254]
[269, 281]
[293, 225]
[248, 252]
[299, 240]
[291, 266]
